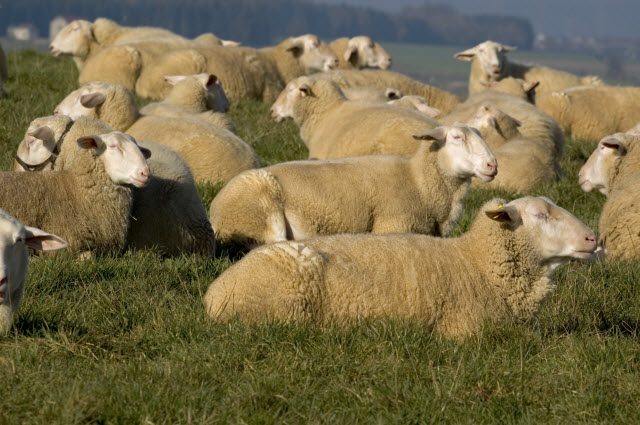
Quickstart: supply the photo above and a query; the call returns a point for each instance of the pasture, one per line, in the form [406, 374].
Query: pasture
[124, 339]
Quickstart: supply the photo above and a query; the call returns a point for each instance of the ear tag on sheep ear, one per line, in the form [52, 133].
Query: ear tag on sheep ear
[500, 214]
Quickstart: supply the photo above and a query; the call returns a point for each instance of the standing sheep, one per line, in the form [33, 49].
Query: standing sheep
[247, 73]
[614, 170]
[489, 63]
[591, 113]
[360, 52]
[212, 153]
[15, 239]
[500, 269]
[301, 199]
[333, 127]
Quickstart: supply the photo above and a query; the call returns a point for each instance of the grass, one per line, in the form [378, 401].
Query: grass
[124, 339]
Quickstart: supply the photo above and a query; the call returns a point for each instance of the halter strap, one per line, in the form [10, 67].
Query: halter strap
[52, 158]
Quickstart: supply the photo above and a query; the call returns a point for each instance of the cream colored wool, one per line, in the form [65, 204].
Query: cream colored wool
[81, 204]
[535, 124]
[333, 127]
[523, 89]
[496, 127]
[247, 73]
[381, 80]
[371, 95]
[591, 113]
[498, 271]
[360, 52]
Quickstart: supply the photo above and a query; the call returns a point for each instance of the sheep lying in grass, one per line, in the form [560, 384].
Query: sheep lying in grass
[591, 113]
[212, 153]
[360, 52]
[392, 97]
[523, 89]
[333, 127]
[301, 199]
[247, 73]
[500, 269]
[15, 238]
[382, 79]
[614, 170]
[88, 203]
[489, 63]
[4, 72]
[197, 96]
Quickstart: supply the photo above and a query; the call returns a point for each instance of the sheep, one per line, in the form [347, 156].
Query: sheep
[198, 96]
[4, 72]
[166, 213]
[614, 170]
[495, 126]
[212, 153]
[15, 239]
[382, 79]
[535, 124]
[525, 90]
[501, 269]
[88, 203]
[247, 73]
[489, 63]
[360, 52]
[416, 102]
[392, 97]
[591, 113]
[301, 199]
[333, 127]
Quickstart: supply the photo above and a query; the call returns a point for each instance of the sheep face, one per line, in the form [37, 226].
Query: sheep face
[489, 120]
[492, 58]
[312, 53]
[217, 100]
[36, 148]
[557, 235]
[597, 172]
[14, 257]
[84, 101]
[73, 40]
[462, 152]
[363, 52]
[283, 106]
[124, 161]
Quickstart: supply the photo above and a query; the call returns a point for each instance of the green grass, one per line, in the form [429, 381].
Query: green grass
[125, 339]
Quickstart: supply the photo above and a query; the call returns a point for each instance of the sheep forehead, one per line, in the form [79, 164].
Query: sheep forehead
[9, 229]
[361, 41]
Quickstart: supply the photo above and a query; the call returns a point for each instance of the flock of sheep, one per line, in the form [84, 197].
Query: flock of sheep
[387, 155]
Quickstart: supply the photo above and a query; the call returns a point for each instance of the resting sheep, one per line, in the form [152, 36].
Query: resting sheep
[591, 113]
[614, 170]
[391, 97]
[500, 269]
[247, 73]
[489, 63]
[360, 52]
[301, 199]
[15, 239]
[212, 153]
[333, 127]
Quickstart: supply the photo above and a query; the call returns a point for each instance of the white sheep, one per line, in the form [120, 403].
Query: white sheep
[614, 170]
[15, 239]
[393, 97]
[489, 63]
[360, 52]
[333, 127]
[301, 199]
[591, 113]
[500, 269]
[212, 153]
[247, 73]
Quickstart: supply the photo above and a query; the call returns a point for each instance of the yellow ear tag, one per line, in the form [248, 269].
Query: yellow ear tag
[497, 215]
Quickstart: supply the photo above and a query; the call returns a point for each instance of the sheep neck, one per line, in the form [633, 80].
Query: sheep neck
[309, 112]
[625, 167]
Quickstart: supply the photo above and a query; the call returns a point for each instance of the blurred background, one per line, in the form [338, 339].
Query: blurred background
[579, 36]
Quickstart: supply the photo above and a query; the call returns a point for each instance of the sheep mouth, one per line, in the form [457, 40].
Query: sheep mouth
[3, 292]
[486, 177]
[55, 52]
[139, 182]
[584, 255]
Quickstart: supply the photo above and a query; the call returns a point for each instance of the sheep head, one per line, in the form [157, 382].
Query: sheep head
[491, 56]
[74, 40]
[312, 53]
[363, 52]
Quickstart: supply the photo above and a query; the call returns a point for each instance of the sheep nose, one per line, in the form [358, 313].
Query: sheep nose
[144, 173]
[3, 280]
[492, 166]
[50, 47]
[334, 62]
[590, 237]
[56, 111]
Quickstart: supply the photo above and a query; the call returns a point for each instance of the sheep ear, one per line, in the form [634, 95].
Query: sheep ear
[466, 55]
[503, 214]
[42, 133]
[351, 54]
[530, 85]
[42, 241]
[173, 79]
[211, 80]
[296, 47]
[145, 152]
[393, 94]
[92, 100]
[90, 142]
[305, 90]
[615, 144]
[438, 133]
[504, 48]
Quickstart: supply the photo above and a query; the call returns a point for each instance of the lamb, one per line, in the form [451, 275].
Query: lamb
[382, 79]
[489, 63]
[301, 199]
[360, 52]
[247, 73]
[614, 170]
[15, 239]
[197, 96]
[88, 203]
[501, 269]
[535, 124]
[591, 113]
[166, 214]
[4, 72]
[212, 153]
[333, 127]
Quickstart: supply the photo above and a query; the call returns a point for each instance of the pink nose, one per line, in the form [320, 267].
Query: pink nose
[492, 167]
[335, 62]
[273, 112]
[144, 174]
[56, 111]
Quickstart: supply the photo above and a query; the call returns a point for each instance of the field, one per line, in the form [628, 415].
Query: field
[124, 338]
